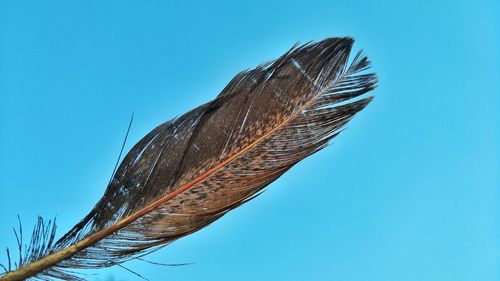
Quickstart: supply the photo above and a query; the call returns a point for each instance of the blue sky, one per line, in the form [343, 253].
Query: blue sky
[408, 192]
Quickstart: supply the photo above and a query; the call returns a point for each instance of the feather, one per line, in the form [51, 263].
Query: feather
[190, 171]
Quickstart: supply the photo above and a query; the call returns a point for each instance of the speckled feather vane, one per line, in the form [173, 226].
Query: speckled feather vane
[190, 171]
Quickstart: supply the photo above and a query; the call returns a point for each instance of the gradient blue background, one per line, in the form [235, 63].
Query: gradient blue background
[408, 192]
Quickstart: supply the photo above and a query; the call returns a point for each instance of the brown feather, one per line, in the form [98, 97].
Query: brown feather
[190, 171]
